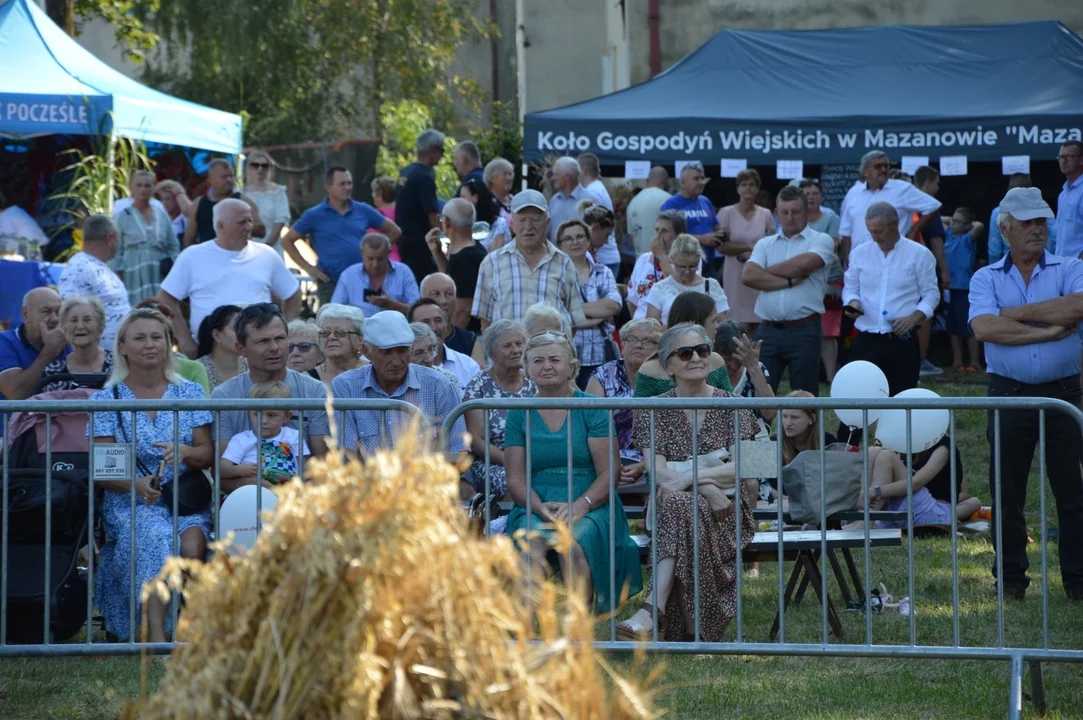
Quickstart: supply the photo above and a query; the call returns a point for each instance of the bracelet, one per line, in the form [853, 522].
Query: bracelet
[590, 505]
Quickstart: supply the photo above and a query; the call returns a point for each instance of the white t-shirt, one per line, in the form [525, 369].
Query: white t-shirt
[905, 198]
[607, 254]
[643, 214]
[241, 449]
[644, 275]
[211, 276]
[665, 292]
[86, 275]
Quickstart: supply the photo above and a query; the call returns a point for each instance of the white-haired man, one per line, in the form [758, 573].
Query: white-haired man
[527, 271]
[223, 185]
[876, 186]
[416, 205]
[87, 274]
[890, 287]
[391, 376]
[568, 194]
[28, 348]
[441, 288]
[428, 312]
[467, 161]
[230, 270]
[590, 177]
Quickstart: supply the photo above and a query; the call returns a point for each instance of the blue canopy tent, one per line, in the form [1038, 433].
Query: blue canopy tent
[828, 96]
[50, 85]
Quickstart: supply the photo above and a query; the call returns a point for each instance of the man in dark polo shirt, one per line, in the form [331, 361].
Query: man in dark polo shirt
[416, 207]
[27, 349]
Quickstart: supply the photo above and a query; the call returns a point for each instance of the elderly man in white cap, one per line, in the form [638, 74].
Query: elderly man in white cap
[528, 271]
[390, 376]
[1025, 308]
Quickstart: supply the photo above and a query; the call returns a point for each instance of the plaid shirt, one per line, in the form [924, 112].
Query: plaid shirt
[590, 342]
[424, 388]
[507, 286]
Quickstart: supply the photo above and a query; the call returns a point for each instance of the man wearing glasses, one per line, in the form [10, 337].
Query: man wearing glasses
[1070, 203]
[877, 187]
[230, 270]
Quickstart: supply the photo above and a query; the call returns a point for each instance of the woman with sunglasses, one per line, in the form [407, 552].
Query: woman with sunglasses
[685, 255]
[683, 351]
[269, 197]
[551, 364]
[304, 347]
[218, 346]
[342, 334]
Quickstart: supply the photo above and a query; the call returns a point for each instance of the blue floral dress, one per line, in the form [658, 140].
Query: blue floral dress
[153, 523]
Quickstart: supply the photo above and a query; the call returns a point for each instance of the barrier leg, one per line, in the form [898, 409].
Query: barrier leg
[1037, 688]
[1015, 689]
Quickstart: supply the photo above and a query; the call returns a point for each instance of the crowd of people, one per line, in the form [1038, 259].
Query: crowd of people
[179, 298]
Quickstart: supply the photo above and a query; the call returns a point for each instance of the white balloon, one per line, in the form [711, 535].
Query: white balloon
[926, 426]
[859, 379]
[238, 514]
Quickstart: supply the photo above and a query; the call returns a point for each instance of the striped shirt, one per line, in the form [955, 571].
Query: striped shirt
[590, 342]
[507, 286]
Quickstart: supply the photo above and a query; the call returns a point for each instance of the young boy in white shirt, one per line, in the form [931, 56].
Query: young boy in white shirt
[281, 447]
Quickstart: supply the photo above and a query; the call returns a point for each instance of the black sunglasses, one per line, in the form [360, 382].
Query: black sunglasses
[259, 165]
[303, 347]
[684, 354]
[254, 311]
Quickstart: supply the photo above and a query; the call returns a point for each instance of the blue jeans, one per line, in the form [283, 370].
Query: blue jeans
[797, 348]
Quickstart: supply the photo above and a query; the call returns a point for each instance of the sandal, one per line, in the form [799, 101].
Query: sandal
[624, 630]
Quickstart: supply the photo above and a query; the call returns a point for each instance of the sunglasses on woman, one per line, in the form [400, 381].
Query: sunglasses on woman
[259, 165]
[301, 347]
[684, 354]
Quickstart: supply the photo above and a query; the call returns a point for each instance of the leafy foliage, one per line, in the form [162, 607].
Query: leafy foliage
[128, 28]
[402, 123]
[503, 138]
[93, 176]
[316, 69]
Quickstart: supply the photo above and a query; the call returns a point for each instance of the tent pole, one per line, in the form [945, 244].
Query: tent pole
[520, 70]
[111, 162]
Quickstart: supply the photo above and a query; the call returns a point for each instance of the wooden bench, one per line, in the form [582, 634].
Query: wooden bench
[803, 547]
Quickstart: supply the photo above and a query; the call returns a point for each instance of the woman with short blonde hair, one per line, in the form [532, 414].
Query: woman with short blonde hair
[685, 254]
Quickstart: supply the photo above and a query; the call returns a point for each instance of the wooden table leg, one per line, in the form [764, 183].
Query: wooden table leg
[796, 574]
[859, 589]
[812, 573]
[836, 568]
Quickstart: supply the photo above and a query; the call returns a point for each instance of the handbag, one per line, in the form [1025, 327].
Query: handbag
[192, 487]
[841, 487]
[706, 461]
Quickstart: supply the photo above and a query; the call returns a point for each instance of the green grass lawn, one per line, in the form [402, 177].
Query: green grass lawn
[711, 687]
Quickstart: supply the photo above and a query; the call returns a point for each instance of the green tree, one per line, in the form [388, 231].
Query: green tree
[127, 24]
[316, 69]
[402, 123]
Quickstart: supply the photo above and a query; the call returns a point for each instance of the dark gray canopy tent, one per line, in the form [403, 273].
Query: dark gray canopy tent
[828, 96]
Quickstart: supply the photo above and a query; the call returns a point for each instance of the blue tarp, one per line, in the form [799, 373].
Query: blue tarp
[50, 85]
[828, 96]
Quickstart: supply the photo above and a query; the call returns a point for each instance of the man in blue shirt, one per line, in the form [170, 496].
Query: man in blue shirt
[1025, 308]
[376, 283]
[391, 375]
[698, 212]
[416, 206]
[334, 228]
[467, 162]
[27, 349]
[960, 242]
[1070, 202]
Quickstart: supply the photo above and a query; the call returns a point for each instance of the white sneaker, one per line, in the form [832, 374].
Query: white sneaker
[927, 368]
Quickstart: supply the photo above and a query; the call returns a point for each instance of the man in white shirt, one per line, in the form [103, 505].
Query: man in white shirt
[790, 271]
[228, 271]
[429, 312]
[890, 287]
[590, 177]
[644, 208]
[88, 275]
[904, 197]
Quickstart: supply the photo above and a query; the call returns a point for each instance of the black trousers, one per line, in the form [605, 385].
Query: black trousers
[415, 254]
[797, 348]
[899, 358]
[1018, 439]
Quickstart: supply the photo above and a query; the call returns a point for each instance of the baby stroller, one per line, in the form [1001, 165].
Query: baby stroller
[66, 592]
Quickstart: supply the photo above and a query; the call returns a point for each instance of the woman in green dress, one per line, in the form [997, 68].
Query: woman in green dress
[552, 365]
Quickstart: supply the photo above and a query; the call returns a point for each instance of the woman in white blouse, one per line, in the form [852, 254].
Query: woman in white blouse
[270, 198]
[685, 255]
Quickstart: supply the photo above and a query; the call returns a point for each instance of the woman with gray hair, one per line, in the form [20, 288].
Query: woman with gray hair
[83, 320]
[551, 364]
[617, 378]
[540, 317]
[499, 176]
[504, 342]
[342, 334]
[304, 347]
[423, 352]
[683, 351]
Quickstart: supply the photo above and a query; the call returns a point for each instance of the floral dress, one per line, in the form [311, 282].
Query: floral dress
[613, 377]
[674, 524]
[153, 523]
[484, 386]
[143, 247]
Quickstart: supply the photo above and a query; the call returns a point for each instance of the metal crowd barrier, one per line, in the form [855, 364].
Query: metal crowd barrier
[1017, 656]
[388, 409]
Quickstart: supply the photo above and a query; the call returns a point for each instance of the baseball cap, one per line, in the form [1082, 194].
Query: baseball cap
[388, 329]
[1026, 204]
[529, 198]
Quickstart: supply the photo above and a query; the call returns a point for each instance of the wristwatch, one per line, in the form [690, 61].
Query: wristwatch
[878, 491]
